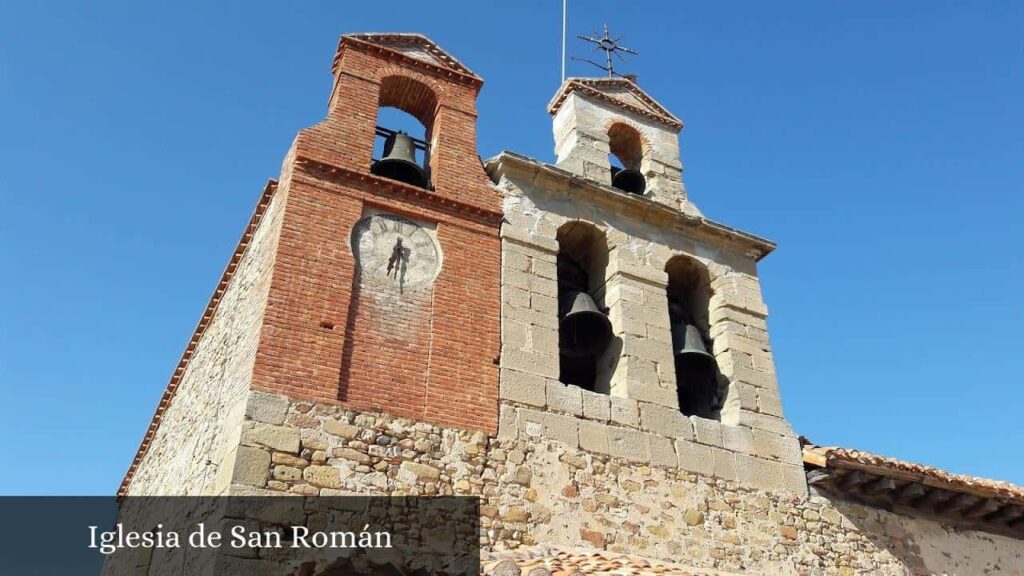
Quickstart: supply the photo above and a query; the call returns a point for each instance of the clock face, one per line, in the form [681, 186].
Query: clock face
[394, 253]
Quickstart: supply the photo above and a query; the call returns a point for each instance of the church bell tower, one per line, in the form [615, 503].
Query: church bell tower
[362, 283]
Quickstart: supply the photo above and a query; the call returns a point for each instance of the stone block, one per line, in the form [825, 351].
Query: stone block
[522, 387]
[724, 464]
[514, 261]
[515, 296]
[706, 431]
[596, 406]
[279, 438]
[266, 408]
[544, 304]
[422, 472]
[737, 439]
[728, 313]
[531, 424]
[530, 363]
[748, 375]
[770, 475]
[564, 429]
[665, 421]
[518, 235]
[628, 326]
[763, 361]
[759, 421]
[538, 425]
[341, 429]
[746, 394]
[647, 349]
[663, 452]
[287, 473]
[507, 425]
[772, 446]
[251, 466]
[322, 476]
[768, 402]
[515, 335]
[594, 437]
[564, 398]
[695, 457]
[624, 411]
[544, 340]
[545, 268]
[794, 479]
[648, 390]
[741, 302]
[629, 444]
[732, 341]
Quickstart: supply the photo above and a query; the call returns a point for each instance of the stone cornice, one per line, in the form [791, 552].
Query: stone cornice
[395, 188]
[458, 73]
[589, 87]
[630, 205]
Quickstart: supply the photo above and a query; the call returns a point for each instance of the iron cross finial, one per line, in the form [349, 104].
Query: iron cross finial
[610, 46]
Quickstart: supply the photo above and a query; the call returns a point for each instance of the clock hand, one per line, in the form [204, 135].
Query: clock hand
[396, 256]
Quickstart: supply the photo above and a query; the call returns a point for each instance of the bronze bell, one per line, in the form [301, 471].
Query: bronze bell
[688, 347]
[583, 329]
[696, 383]
[399, 161]
[629, 180]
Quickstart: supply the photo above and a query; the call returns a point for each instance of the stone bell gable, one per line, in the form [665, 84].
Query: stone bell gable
[598, 117]
[655, 266]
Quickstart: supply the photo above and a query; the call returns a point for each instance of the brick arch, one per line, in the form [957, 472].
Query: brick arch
[411, 96]
[627, 143]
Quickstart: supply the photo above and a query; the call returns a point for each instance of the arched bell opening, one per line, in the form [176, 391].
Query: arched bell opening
[689, 296]
[584, 331]
[626, 148]
[405, 117]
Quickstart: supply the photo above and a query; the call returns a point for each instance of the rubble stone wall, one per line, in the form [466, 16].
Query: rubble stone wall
[193, 448]
[543, 490]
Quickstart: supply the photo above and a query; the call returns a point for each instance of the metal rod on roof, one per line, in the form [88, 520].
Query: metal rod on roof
[565, 11]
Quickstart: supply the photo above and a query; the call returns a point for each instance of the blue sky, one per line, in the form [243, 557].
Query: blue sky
[881, 144]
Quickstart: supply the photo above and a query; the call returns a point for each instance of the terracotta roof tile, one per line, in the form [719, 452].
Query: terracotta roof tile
[558, 561]
[834, 456]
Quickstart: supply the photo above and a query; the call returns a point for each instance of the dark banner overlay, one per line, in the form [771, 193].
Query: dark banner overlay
[243, 536]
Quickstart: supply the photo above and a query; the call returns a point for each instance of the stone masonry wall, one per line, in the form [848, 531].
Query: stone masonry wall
[193, 449]
[540, 490]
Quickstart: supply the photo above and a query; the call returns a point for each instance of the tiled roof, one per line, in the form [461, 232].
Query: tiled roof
[918, 489]
[557, 561]
[834, 455]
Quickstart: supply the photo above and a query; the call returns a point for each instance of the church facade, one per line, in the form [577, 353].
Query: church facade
[574, 342]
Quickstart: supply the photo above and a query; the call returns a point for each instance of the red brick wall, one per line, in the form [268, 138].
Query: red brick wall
[326, 339]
